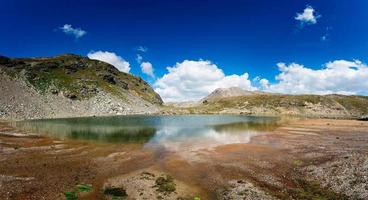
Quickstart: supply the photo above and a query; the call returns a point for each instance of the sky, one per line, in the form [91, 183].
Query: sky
[186, 49]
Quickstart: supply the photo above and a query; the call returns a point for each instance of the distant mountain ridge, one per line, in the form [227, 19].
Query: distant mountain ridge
[238, 101]
[70, 85]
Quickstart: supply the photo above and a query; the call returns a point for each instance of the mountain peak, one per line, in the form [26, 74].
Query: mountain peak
[230, 92]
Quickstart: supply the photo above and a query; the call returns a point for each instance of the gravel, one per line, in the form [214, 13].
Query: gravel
[347, 175]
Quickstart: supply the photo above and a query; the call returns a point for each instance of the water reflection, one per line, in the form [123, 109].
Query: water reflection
[93, 131]
[173, 133]
[191, 139]
[261, 124]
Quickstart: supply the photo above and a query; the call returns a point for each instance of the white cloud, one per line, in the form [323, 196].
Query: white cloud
[142, 49]
[308, 16]
[192, 80]
[139, 58]
[147, 69]
[339, 76]
[264, 83]
[76, 32]
[112, 59]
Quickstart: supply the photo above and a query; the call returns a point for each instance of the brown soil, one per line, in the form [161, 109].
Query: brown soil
[281, 164]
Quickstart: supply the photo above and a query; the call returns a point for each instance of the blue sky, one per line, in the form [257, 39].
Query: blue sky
[237, 36]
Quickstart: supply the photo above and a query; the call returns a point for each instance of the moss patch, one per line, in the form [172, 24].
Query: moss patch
[165, 184]
[84, 187]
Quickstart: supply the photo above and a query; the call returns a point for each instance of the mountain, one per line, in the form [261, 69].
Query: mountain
[230, 92]
[238, 101]
[70, 85]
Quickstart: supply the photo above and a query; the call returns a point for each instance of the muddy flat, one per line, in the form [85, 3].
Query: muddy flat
[292, 159]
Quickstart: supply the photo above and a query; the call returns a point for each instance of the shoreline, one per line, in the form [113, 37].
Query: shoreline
[184, 114]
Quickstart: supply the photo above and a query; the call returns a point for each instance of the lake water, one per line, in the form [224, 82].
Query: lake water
[173, 133]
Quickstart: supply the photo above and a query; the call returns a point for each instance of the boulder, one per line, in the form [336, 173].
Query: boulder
[70, 95]
[364, 118]
[109, 78]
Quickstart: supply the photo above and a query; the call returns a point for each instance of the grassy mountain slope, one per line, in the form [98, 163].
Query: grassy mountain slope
[81, 76]
[278, 104]
[73, 78]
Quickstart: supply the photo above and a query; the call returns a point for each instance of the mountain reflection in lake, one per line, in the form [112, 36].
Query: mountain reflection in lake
[184, 132]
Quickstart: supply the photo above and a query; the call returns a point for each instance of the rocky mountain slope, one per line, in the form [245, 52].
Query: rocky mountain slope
[326, 106]
[70, 85]
[230, 92]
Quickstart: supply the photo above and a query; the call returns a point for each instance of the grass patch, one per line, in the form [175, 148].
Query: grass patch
[84, 187]
[73, 195]
[298, 163]
[188, 198]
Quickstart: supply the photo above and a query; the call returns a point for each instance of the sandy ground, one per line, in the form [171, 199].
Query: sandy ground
[301, 159]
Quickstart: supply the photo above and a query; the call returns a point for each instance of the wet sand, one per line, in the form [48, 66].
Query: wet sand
[284, 163]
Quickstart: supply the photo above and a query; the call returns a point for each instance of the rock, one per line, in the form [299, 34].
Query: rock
[115, 192]
[71, 69]
[109, 78]
[54, 91]
[243, 190]
[70, 95]
[364, 118]
[124, 85]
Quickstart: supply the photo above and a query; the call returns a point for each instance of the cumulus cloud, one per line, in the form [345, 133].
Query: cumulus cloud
[192, 80]
[308, 16]
[76, 32]
[147, 68]
[339, 77]
[264, 83]
[111, 58]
